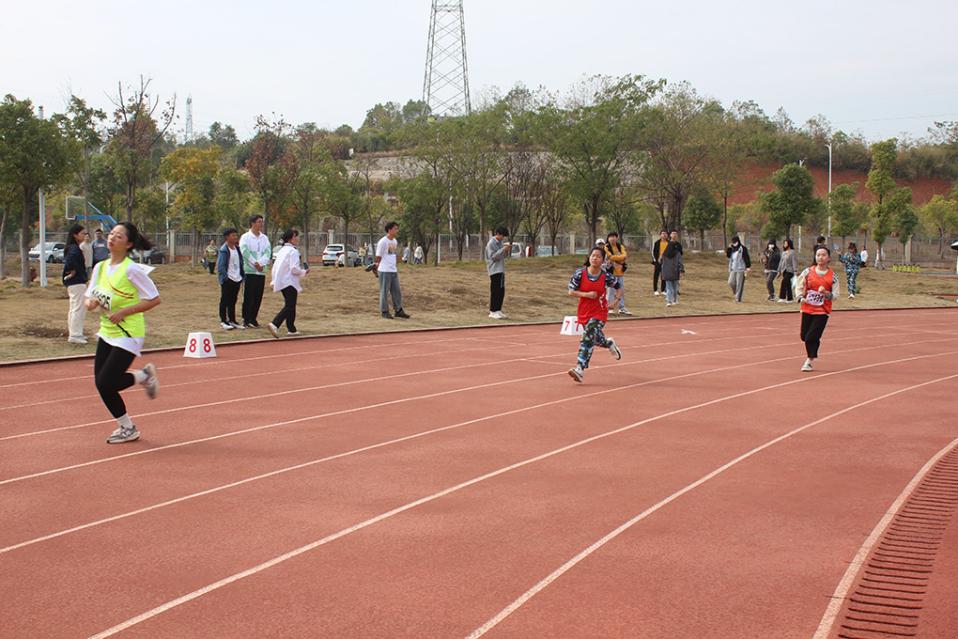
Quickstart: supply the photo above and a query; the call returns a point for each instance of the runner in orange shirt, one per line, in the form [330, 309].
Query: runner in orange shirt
[816, 288]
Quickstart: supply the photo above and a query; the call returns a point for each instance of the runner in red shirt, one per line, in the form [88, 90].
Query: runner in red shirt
[589, 284]
[817, 286]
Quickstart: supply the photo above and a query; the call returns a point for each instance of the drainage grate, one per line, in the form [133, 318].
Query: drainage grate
[887, 599]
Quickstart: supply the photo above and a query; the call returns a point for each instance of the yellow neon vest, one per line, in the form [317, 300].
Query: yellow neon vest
[115, 292]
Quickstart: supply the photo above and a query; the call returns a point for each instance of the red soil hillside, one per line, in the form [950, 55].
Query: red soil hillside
[759, 178]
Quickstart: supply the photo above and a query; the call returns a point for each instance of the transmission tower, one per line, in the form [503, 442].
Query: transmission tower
[189, 119]
[445, 87]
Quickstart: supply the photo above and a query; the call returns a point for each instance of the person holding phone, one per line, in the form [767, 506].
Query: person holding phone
[590, 284]
[816, 288]
[497, 250]
[287, 272]
[739, 266]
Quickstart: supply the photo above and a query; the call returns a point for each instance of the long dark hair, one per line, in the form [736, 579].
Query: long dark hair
[789, 242]
[72, 233]
[133, 236]
[289, 234]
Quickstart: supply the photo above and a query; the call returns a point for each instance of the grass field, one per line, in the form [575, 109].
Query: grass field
[455, 294]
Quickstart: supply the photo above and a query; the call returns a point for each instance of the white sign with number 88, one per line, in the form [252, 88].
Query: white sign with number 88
[199, 345]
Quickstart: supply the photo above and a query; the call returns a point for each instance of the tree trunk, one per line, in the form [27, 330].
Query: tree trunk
[194, 258]
[725, 219]
[702, 239]
[3, 243]
[346, 261]
[25, 237]
[306, 233]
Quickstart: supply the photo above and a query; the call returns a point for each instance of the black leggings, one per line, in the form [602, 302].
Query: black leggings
[785, 290]
[288, 312]
[110, 372]
[812, 328]
[497, 291]
[229, 291]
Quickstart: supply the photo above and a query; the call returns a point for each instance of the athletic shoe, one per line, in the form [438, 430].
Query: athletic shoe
[237, 326]
[780, 300]
[401, 313]
[851, 296]
[250, 325]
[614, 349]
[387, 316]
[807, 366]
[624, 311]
[656, 293]
[576, 373]
[225, 326]
[121, 435]
[77, 340]
[293, 333]
[503, 315]
[771, 298]
[273, 329]
[492, 315]
[370, 267]
[152, 382]
[668, 303]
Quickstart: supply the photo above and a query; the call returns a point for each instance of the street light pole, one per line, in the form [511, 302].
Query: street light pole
[42, 201]
[829, 145]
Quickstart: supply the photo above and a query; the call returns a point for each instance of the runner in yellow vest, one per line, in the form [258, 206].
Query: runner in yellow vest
[123, 291]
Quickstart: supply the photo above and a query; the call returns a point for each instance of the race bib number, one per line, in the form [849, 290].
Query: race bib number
[104, 299]
[814, 298]
[571, 326]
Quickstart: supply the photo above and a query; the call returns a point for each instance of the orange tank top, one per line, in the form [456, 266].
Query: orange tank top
[815, 303]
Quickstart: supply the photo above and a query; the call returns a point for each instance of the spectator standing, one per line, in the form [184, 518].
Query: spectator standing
[405, 254]
[739, 266]
[496, 252]
[589, 284]
[616, 255]
[209, 256]
[674, 237]
[864, 255]
[75, 281]
[385, 269]
[100, 249]
[816, 288]
[287, 273]
[418, 255]
[123, 290]
[254, 245]
[229, 270]
[658, 248]
[672, 267]
[771, 258]
[788, 267]
[853, 263]
[86, 247]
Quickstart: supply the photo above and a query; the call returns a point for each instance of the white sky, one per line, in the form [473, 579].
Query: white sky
[883, 68]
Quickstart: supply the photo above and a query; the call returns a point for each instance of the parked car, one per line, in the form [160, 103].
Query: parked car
[518, 250]
[149, 256]
[53, 250]
[546, 251]
[332, 254]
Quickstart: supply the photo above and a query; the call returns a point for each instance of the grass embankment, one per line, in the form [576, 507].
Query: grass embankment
[454, 294]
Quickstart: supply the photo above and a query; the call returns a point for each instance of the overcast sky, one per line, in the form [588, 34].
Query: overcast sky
[882, 68]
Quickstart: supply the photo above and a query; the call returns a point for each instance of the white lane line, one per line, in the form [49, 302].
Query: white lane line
[346, 411]
[452, 489]
[340, 384]
[851, 573]
[390, 442]
[857, 332]
[564, 568]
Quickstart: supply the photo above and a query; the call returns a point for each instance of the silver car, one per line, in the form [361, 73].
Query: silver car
[332, 254]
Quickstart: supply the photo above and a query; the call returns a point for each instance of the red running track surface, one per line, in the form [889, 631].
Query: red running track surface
[459, 483]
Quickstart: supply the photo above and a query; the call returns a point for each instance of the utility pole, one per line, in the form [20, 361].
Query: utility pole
[829, 145]
[445, 86]
[43, 231]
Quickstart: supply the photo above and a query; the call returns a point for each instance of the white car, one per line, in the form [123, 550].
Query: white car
[53, 252]
[333, 254]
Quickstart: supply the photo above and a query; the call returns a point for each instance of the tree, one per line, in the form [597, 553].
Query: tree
[311, 153]
[81, 124]
[272, 169]
[424, 199]
[702, 213]
[223, 136]
[135, 135]
[593, 141]
[881, 183]
[34, 155]
[904, 219]
[232, 201]
[195, 171]
[792, 200]
[841, 203]
[940, 216]
[340, 194]
[725, 163]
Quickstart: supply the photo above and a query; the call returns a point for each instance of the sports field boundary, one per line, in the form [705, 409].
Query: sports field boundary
[433, 329]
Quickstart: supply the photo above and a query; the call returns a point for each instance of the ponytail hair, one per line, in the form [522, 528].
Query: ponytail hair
[289, 234]
[133, 236]
[72, 232]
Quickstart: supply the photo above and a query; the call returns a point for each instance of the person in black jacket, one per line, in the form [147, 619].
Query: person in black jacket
[739, 265]
[75, 279]
[771, 257]
[658, 248]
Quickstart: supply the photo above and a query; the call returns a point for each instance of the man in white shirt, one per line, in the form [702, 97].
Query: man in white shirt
[254, 245]
[229, 268]
[385, 268]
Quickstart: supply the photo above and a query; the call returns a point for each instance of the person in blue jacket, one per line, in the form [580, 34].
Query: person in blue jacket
[229, 270]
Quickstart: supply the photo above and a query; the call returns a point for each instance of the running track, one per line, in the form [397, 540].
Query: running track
[460, 484]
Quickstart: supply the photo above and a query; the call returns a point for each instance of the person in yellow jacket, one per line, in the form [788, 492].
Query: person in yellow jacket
[123, 291]
[616, 255]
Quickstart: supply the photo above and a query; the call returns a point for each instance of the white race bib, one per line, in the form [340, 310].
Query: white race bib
[814, 298]
[104, 299]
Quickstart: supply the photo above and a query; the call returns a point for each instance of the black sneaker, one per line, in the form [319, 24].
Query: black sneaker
[387, 316]
[401, 313]
[370, 267]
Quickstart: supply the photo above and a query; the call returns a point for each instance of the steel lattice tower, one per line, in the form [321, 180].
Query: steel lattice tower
[445, 87]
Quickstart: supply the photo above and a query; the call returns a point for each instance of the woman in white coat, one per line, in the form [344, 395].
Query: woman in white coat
[287, 272]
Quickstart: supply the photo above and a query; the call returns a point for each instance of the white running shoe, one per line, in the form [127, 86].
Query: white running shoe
[656, 293]
[273, 330]
[492, 315]
[503, 315]
[226, 326]
[851, 296]
[614, 349]
[239, 327]
[152, 381]
[576, 373]
[121, 435]
[77, 340]
[668, 303]
[807, 366]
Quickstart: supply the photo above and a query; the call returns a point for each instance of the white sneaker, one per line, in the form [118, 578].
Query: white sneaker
[226, 326]
[77, 340]
[492, 315]
[780, 300]
[121, 435]
[668, 303]
[576, 373]
[807, 366]
[273, 330]
[851, 296]
[614, 349]
[152, 382]
[624, 311]
[503, 315]
[238, 327]
[656, 293]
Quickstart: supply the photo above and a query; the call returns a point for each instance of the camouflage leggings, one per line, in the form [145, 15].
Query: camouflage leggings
[852, 277]
[591, 337]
